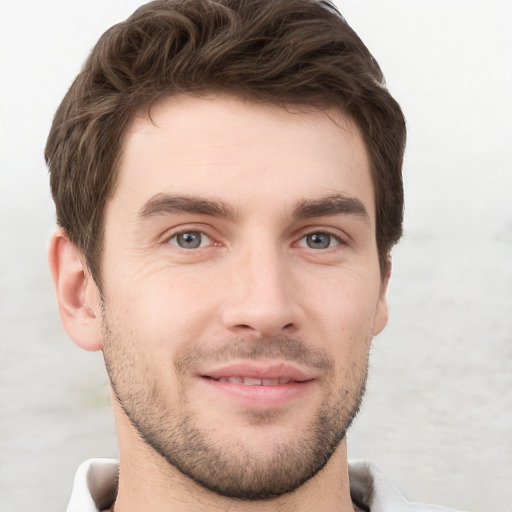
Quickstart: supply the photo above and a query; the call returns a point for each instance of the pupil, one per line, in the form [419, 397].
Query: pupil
[319, 241]
[190, 240]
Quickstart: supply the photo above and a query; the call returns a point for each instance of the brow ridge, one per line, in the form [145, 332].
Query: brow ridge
[336, 204]
[161, 204]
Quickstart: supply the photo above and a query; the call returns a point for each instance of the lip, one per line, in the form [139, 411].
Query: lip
[285, 371]
[259, 396]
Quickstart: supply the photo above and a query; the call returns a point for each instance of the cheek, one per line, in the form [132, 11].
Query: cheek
[163, 304]
[348, 304]
[345, 322]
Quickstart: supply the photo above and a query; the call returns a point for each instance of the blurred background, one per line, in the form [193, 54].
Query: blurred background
[438, 411]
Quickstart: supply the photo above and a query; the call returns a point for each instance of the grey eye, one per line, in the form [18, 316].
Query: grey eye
[319, 240]
[189, 239]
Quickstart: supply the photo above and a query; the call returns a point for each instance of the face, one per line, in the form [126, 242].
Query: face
[241, 289]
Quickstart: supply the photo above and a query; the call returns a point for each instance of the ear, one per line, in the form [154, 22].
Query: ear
[381, 314]
[77, 294]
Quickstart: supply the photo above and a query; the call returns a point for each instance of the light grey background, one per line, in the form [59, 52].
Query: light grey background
[438, 413]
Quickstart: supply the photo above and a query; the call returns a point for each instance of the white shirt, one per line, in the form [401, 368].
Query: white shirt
[96, 482]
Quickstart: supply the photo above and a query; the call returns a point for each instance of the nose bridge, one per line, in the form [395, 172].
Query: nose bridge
[266, 272]
[262, 293]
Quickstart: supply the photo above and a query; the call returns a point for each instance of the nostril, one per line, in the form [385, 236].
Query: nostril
[245, 326]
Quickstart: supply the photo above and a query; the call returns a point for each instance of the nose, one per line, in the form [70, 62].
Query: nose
[262, 297]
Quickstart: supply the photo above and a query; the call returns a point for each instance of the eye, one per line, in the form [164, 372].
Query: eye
[319, 241]
[190, 240]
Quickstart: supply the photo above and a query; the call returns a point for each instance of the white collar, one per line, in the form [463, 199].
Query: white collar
[95, 487]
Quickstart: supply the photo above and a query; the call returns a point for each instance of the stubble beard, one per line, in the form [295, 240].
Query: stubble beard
[228, 468]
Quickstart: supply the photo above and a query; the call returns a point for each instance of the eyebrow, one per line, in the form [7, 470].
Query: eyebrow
[336, 204]
[172, 204]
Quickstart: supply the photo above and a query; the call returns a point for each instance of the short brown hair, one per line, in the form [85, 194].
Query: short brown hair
[282, 52]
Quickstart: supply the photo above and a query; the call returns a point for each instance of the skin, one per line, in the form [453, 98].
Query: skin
[287, 260]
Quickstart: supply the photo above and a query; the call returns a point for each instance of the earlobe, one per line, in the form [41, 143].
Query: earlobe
[77, 294]
[381, 315]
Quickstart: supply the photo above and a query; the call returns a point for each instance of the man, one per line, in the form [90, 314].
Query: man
[227, 178]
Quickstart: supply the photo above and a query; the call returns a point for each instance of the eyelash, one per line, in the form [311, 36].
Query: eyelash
[302, 241]
[183, 232]
[332, 238]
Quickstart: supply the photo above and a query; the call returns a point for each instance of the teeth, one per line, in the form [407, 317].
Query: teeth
[250, 381]
[237, 380]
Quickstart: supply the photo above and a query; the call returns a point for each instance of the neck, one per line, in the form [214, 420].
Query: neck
[149, 482]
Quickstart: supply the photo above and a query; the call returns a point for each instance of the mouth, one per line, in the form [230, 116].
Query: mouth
[259, 374]
[254, 385]
[254, 381]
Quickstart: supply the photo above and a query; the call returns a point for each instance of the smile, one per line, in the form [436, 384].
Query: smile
[251, 381]
[258, 385]
[258, 374]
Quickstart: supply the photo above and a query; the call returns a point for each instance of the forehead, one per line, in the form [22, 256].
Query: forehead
[245, 153]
